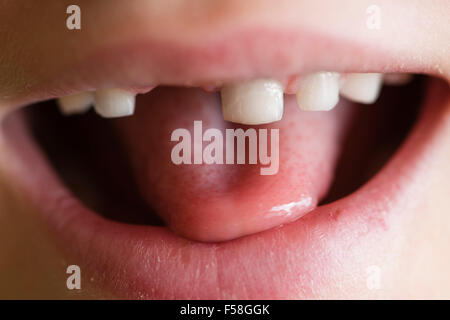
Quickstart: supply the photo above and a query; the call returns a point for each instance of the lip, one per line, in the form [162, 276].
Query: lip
[325, 249]
[143, 59]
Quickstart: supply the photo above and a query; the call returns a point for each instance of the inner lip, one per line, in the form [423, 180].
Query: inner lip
[155, 257]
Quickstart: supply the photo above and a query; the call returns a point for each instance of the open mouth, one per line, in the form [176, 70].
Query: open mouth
[145, 227]
[122, 169]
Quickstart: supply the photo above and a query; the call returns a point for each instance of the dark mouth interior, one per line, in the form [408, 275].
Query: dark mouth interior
[383, 126]
[91, 161]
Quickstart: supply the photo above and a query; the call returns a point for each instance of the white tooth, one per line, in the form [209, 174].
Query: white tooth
[319, 91]
[362, 87]
[252, 102]
[397, 79]
[113, 103]
[76, 103]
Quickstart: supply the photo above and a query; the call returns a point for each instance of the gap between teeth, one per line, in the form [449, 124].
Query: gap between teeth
[252, 102]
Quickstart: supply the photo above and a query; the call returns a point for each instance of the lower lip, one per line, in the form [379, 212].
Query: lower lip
[329, 248]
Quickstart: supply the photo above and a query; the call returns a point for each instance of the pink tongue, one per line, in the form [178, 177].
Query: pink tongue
[215, 202]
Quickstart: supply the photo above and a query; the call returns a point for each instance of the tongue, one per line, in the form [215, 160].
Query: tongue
[217, 202]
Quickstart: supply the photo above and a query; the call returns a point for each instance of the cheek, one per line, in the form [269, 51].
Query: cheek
[27, 257]
[423, 262]
[32, 265]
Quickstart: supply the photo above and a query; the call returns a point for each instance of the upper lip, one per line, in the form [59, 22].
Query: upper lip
[140, 55]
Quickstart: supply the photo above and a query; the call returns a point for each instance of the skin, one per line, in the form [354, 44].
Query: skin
[33, 266]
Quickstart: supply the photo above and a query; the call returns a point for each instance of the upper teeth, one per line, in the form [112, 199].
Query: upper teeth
[112, 103]
[319, 91]
[362, 87]
[253, 102]
[76, 103]
[109, 103]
